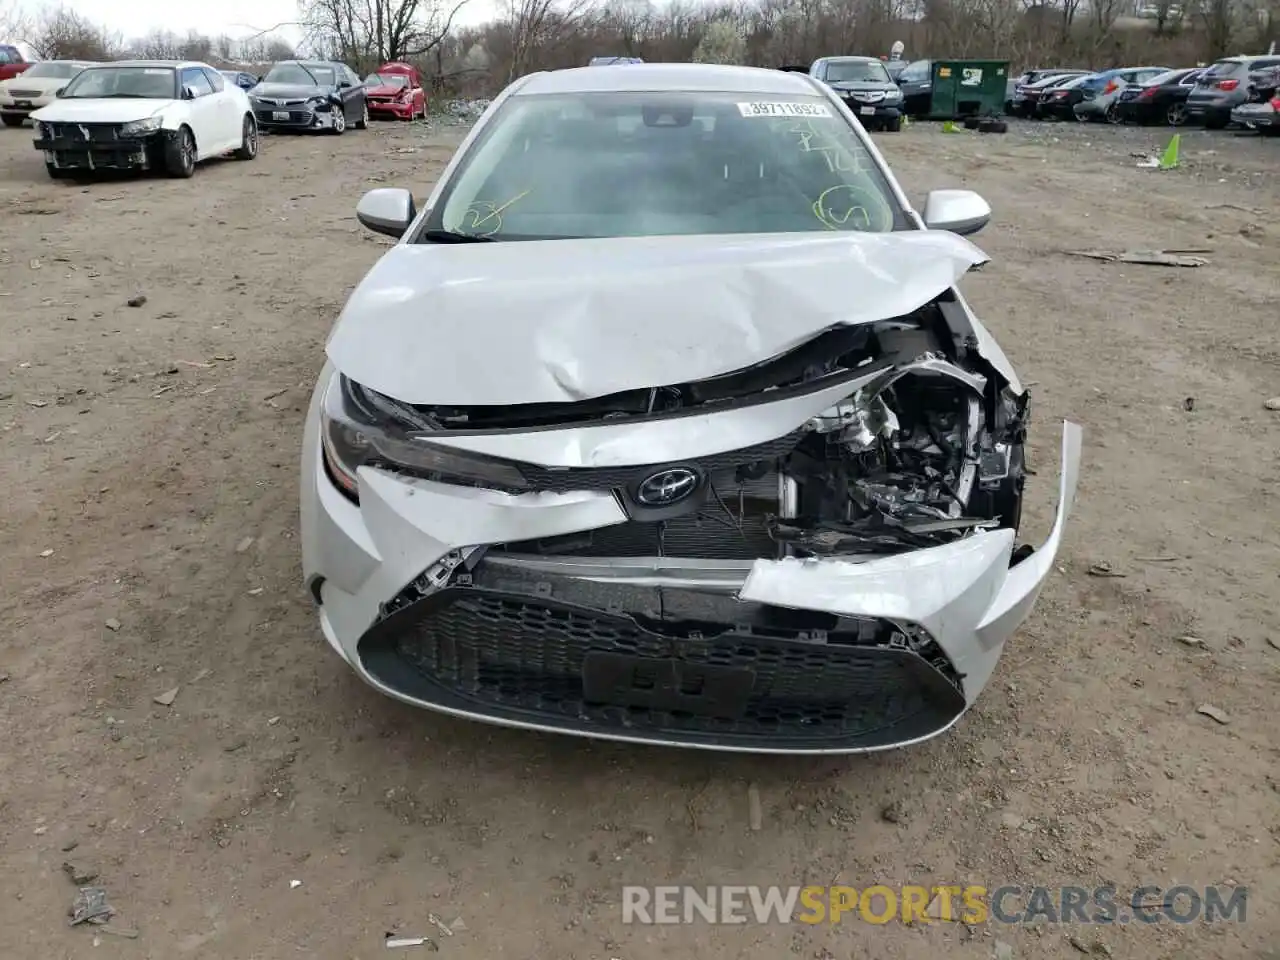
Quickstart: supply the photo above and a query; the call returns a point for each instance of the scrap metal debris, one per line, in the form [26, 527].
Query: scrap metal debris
[1158, 258]
[1103, 569]
[1213, 713]
[79, 873]
[392, 942]
[166, 699]
[439, 924]
[91, 904]
[1273, 403]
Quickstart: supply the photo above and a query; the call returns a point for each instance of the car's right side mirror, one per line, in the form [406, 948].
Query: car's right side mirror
[956, 211]
[386, 210]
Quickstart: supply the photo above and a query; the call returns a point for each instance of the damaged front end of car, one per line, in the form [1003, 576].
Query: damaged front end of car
[814, 553]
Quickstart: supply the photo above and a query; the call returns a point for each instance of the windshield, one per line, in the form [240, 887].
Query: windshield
[655, 164]
[386, 80]
[854, 71]
[1223, 68]
[919, 70]
[53, 71]
[157, 83]
[1076, 82]
[1160, 79]
[295, 73]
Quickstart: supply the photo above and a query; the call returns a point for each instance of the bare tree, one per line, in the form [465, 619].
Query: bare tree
[540, 25]
[364, 31]
[63, 34]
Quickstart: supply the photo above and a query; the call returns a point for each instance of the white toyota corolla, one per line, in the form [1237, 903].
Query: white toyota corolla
[664, 421]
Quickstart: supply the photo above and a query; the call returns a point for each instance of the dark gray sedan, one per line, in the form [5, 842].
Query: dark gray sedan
[310, 95]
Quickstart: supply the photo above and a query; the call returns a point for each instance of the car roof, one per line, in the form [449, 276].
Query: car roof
[673, 77]
[848, 60]
[310, 63]
[166, 64]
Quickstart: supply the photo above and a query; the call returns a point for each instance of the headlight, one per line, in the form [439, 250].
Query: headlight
[350, 440]
[893, 95]
[41, 130]
[149, 125]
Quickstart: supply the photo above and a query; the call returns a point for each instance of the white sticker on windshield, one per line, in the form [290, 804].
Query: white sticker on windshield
[774, 108]
[156, 71]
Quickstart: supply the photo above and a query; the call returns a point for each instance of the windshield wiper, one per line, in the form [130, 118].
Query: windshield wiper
[450, 236]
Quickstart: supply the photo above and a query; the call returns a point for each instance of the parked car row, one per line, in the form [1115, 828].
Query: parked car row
[169, 115]
[294, 94]
[1231, 90]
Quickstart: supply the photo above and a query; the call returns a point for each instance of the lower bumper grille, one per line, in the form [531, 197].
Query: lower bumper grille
[298, 118]
[725, 674]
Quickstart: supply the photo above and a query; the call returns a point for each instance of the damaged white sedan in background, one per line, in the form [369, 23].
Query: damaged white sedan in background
[664, 421]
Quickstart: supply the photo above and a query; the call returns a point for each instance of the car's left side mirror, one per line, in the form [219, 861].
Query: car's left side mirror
[386, 210]
[957, 211]
[344, 84]
[59, 91]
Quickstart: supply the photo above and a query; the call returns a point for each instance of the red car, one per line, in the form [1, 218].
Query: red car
[395, 89]
[12, 61]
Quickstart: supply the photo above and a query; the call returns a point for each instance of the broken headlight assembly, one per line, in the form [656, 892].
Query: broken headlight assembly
[360, 428]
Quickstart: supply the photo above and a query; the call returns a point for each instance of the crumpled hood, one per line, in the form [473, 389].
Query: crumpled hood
[107, 110]
[567, 320]
[383, 90]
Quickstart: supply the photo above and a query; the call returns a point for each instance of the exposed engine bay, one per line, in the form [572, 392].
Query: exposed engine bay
[926, 451]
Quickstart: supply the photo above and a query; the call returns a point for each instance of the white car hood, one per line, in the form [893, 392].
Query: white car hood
[568, 320]
[122, 110]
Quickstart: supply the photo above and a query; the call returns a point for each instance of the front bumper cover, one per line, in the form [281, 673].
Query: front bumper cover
[775, 656]
[134, 153]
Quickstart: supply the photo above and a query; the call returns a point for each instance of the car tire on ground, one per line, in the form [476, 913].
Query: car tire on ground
[1113, 114]
[10, 120]
[992, 125]
[363, 122]
[971, 123]
[1176, 114]
[248, 139]
[894, 125]
[339, 122]
[180, 153]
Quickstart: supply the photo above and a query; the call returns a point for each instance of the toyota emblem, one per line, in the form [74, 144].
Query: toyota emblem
[667, 487]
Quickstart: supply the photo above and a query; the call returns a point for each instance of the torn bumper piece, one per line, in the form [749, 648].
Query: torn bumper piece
[831, 655]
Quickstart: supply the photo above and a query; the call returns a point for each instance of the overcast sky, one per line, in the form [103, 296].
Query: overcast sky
[236, 18]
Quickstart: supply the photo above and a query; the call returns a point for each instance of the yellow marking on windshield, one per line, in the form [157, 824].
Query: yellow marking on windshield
[481, 212]
[850, 210]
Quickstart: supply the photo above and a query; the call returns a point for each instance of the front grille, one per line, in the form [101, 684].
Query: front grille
[751, 677]
[301, 117]
[730, 524]
[25, 94]
[84, 132]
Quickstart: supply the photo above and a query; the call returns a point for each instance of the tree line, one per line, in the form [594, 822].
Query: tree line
[531, 35]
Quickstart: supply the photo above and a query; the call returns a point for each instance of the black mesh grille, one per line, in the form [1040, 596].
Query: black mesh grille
[85, 132]
[730, 524]
[512, 656]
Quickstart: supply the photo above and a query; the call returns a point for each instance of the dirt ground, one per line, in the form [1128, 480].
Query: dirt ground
[144, 446]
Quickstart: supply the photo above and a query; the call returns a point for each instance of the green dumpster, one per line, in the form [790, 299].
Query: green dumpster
[965, 88]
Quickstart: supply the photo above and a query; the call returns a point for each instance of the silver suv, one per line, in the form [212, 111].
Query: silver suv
[1221, 88]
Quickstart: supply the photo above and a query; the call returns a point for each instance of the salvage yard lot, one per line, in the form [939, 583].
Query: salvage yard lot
[154, 449]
